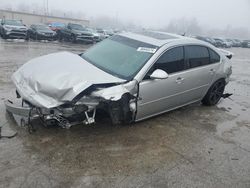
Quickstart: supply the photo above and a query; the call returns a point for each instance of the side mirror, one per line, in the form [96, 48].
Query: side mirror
[159, 74]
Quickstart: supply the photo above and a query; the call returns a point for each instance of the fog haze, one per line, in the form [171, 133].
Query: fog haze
[157, 14]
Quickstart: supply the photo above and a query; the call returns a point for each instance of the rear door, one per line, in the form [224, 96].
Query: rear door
[200, 73]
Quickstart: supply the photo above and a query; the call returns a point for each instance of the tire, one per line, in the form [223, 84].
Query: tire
[119, 111]
[59, 36]
[4, 36]
[27, 37]
[73, 38]
[214, 93]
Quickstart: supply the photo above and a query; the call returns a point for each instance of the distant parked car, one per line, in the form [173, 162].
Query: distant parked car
[55, 26]
[75, 32]
[227, 43]
[246, 44]
[236, 43]
[219, 43]
[206, 39]
[41, 32]
[222, 43]
[230, 42]
[102, 32]
[109, 32]
[97, 36]
[14, 29]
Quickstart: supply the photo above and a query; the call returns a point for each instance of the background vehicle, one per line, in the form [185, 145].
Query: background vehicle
[236, 43]
[97, 36]
[230, 42]
[206, 39]
[222, 43]
[102, 33]
[246, 44]
[109, 32]
[14, 29]
[55, 26]
[41, 32]
[75, 32]
[227, 43]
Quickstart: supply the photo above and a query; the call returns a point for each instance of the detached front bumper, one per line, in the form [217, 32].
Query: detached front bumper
[63, 117]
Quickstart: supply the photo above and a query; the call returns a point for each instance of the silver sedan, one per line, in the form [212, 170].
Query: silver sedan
[131, 76]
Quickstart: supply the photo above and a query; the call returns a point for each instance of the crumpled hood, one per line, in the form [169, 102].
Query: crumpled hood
[51, 80]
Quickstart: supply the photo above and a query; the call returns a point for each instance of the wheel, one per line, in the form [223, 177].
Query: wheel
[214, 93]
[73, 38]
[4, 36]
[59, 36]
[27, 37]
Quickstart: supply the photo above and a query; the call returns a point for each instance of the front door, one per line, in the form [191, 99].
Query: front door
[159, 95]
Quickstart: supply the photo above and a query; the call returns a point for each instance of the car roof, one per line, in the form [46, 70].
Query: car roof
[38, 24]
[158, 38]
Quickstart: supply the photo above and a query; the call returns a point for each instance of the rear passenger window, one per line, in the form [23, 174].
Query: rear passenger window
[171, 61]
[214, 57]
[197, 56]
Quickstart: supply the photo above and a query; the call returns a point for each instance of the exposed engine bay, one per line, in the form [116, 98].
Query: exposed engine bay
[83, 108]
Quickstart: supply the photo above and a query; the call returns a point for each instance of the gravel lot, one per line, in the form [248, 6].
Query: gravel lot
[195, 146]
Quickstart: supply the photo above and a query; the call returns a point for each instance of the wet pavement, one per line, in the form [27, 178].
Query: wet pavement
[195, 146]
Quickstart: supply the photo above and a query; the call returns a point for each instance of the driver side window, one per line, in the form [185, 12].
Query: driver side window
[171, 61]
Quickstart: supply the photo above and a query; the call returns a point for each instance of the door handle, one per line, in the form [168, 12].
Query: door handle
[179, 80]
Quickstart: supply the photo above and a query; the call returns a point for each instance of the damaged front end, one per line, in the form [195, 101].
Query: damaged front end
[64, 89]
[119, 101]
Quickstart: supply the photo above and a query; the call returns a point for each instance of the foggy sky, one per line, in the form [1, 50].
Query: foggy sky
[156, 13]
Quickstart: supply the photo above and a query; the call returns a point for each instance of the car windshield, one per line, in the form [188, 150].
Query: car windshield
[13, 22]
[120, 56]
[76, 27]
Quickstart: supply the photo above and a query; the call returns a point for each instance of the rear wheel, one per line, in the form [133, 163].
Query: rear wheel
[214, 93]
[4, 36]
[27, 36]
[73, 38]
[59, 36]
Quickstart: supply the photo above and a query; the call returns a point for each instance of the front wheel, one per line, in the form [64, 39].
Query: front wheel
[73, 38]
[4, 36]
[214, 93]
